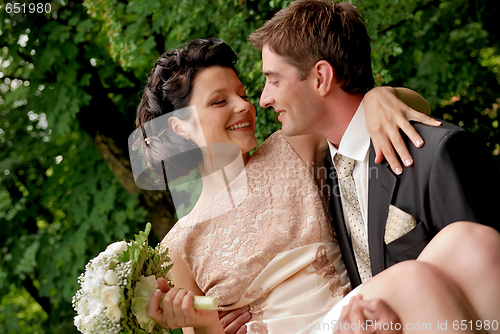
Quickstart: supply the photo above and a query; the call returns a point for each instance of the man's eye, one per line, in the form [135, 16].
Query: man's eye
[274, 83]
[244, 97]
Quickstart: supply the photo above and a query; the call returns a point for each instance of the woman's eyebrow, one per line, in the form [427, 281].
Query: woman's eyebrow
[219, 90]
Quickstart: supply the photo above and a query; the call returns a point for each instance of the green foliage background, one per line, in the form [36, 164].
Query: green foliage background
[70, 81]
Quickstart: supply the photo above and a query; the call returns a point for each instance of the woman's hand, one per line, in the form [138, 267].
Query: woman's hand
[177, 311]
[386, 113]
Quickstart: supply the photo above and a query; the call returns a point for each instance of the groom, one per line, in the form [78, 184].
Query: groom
[316, 59]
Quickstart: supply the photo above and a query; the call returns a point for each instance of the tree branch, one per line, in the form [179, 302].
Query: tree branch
[33, 291]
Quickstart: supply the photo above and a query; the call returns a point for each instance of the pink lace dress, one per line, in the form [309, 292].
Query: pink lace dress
[274, 251]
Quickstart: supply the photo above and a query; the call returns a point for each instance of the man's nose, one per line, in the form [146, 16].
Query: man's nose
[266, 100]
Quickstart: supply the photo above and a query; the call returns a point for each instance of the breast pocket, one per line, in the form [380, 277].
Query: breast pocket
[408, 246]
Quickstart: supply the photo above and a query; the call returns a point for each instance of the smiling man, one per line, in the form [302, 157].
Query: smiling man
[317, 62]
[316, 59]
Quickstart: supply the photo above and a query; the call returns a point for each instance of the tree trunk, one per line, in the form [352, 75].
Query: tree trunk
[109, 129]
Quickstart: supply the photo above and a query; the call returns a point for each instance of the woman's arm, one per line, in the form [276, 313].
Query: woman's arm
[388, 110]
[177, 304]
[181, 276]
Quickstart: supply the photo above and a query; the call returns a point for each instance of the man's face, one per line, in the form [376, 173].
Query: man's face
[292, 98]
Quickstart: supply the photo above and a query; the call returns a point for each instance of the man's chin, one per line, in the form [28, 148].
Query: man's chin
[291, 131]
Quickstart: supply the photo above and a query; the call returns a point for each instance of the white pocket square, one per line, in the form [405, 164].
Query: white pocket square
[398, 224]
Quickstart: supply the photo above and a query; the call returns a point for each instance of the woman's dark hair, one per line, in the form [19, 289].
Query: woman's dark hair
[168, 91]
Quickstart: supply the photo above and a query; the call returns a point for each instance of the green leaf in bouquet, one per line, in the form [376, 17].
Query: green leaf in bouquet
[143, 235]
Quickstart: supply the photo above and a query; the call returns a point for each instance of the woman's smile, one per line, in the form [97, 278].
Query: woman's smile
[221, 102]
[241, 125]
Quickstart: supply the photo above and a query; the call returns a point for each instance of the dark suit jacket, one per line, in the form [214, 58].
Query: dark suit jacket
[453, 178]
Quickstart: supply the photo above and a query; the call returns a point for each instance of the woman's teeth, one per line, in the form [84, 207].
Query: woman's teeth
[239, 126]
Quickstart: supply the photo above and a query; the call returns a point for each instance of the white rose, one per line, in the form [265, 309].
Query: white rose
[114, 314]
[111, 278]
[88, 324]
[96, 290]
[116, 248]
[95, 307]
[90, 281]
[83, 307]
[110, 296]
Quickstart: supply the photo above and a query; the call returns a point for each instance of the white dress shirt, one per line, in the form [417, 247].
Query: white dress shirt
[355, 144]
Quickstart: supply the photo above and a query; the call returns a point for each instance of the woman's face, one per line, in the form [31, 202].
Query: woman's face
[224, 112]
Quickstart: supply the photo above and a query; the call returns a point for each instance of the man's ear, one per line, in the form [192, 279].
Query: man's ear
[325, 77]
[179, 127]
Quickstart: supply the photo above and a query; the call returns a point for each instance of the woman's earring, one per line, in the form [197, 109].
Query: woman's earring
[147, 141]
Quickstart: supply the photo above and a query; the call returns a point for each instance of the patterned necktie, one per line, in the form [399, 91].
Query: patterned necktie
[344, 167]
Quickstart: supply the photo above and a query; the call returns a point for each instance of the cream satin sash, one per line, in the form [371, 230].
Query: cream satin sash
[297, 293]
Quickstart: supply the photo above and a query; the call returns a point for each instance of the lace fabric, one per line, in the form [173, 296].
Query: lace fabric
[283, 210]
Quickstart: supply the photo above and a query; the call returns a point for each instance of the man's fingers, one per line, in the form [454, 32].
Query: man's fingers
[152, 309]
[356, 317]
[222, 314]
[345, 316]
[232, 315]
[378, 310]
[233, 321]
[242, 330]
[238, 325]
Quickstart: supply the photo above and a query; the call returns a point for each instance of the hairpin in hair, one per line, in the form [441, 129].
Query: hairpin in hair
[147, 141]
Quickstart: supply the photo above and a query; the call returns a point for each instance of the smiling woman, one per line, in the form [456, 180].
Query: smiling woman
[224, 112]
[202, 75]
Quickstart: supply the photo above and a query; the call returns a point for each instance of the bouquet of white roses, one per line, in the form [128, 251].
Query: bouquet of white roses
[116, 287]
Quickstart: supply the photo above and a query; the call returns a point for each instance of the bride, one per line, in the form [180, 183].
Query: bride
[259, 237]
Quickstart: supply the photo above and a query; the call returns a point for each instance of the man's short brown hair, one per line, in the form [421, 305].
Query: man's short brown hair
[308, 31]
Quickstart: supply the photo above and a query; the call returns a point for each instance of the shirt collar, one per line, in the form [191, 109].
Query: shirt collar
[355, 142]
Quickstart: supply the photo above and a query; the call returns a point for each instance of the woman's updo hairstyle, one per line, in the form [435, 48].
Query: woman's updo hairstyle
[168, 91]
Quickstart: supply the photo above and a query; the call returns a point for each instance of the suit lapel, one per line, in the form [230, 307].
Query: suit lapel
[339, 223]
[381, 186]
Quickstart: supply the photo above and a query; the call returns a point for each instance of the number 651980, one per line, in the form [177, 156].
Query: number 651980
[29, 8]
[477, 325]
